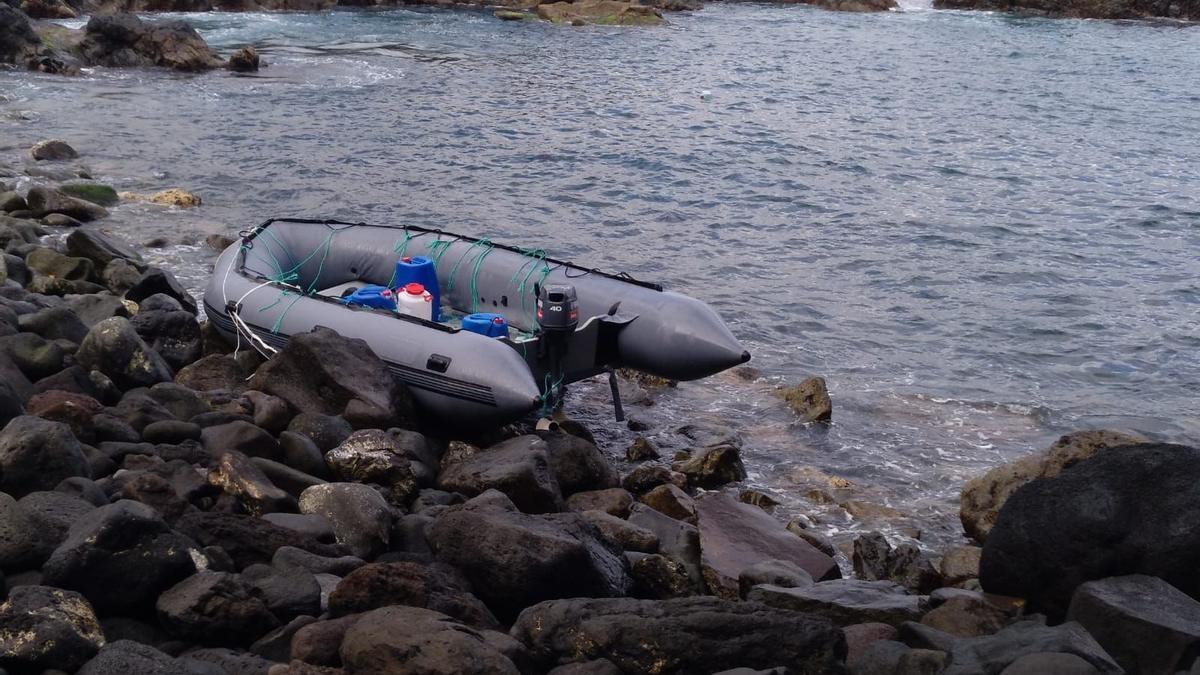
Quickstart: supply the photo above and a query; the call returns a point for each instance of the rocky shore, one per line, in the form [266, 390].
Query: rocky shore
[170, 505]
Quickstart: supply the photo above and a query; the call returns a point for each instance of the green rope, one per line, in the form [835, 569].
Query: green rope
[279, 321]
[454, 270]
[437, 249]
[321, 268]
[399, 249]
[546, 406]
[475, 279]
[535, 256]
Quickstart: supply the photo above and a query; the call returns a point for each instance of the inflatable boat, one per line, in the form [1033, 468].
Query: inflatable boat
[546, 323]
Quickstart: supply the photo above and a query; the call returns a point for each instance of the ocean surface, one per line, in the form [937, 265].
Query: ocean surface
[982, 230]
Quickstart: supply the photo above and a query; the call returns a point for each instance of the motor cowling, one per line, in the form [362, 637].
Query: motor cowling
[557, 308]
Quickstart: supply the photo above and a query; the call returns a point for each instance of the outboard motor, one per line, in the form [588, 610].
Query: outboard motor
[557, 317]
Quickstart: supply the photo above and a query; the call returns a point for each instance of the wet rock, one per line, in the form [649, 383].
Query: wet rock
[96, 193]
[60, 220]
[875, 559]
[713, 466]
[646, 477]
[641, 450]
[361, 519]
[374, 456]
[47, 628]
[855, 5]
[613, 501]
[130, 658]
[814, 539]
[214, 608]
[671, 501]
[19, 44]
[100, 248]
[809, 400]
[622, 533]
[298, 451]
[114, 348]
[675, 636]
[1127, 510]
[438, 587]
[54, 264]
[317, 564]
[577, 463]
[43, 201]
[994, 653]
[325, 431]
[287, 591]
[518, 467]
[11, 201]
[677, 540]
[37, 454]
[124, 40]
[218, 660]
[845, 601]
[175, 335]
[659, 577]
[734, 536]
[53, 150]
[318, 642]
[75, 410]
[247, 540]
[242, 437]
[775, 573]
[966, 616]
[36, 357]
[859, 637]
[500, 549]
[170, 431]
[244, 60]
[415, 640]
[120, 556]
[604, 12]
[983, 497]
[1147, 625]
[960, 564]
[119, 276]
[237, 475]
[323, 372]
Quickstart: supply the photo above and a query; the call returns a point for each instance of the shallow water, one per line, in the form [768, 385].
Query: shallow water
[982, 230]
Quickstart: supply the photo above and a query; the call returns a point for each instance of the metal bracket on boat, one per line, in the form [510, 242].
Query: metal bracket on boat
[618, 410]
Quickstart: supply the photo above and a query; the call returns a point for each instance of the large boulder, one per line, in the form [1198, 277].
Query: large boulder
[1143, 622]
[47, 628]
[1128, 510]
[375, 456]
[995, 653]
[100, 248]
[173, 334]
[38, 454]
[734, 536]
[156, 281]
[713, 466]
[120, 556]
[124, 40]
[30, 529]
[983, 497]
[416, 640]
[130, 658]
[19, 44]
[685, 635]
[114, 348]
[214, 608]
[237, 475]
[247, 540]
[43, 201]
[438, 587]
[845, 601]
[323, 372]
[578, 464]
[501, 551]
[361, 518]
[518, 467]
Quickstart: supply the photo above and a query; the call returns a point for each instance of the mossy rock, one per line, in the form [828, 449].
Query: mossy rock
[96, 193]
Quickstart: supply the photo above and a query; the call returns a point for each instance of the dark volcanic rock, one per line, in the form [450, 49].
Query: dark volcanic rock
[318, 642]
[214, 608]
[577, 463]
[175, 335]
[53, 323]
[613, 501]
[325, 431]
[500, 550]
[100, 248]
[114, 348]
[131, 658]
[1128, 510]
[53, 150]
[156, 281]
[374, 456]
[994, 653]
[247, 540]
[237, 475]
[47, 628]
[44, 201]
[239, 436]
[361, 519]
[845, 601]
[120, 556]
[124, 40]
[415, 640]
[713, 466]
[244, 60]
[288, 591]
[1143, 622]
[875, 559]
[438, 587]
[36, 357]
[30, 529]
[324, 372]
[518, 467]
[734, 536]
[686, 635]
[37, 454]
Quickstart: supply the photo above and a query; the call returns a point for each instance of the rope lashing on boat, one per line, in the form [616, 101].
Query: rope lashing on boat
[482, 247]
[534, 256]
[547, 401]
[399, 249]
[437, 249]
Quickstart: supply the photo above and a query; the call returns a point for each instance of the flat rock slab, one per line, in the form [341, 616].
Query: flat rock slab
[1146, 624]
[845, 601]
[734, 536]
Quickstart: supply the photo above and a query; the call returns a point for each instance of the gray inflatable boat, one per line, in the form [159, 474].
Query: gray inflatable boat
[287, 276]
